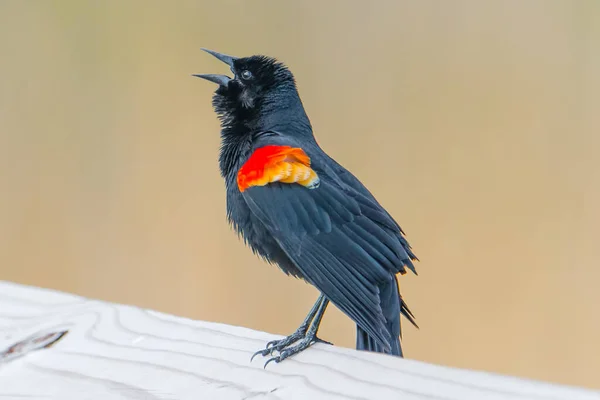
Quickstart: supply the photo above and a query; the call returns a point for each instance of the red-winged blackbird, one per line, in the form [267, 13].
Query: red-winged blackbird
[298, 208]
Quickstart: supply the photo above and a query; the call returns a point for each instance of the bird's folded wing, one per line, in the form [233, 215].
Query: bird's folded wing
[322, 232]
[371, 207]
[334, 238]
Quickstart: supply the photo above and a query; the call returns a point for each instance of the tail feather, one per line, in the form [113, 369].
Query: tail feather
[407, 314]
[392, 306]
[366, 342]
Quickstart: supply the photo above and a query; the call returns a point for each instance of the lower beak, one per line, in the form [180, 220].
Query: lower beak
[221, 80]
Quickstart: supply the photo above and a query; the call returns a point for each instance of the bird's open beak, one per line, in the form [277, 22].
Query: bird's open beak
[221, 80]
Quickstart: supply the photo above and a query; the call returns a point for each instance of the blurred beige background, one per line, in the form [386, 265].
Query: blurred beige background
[475, 123]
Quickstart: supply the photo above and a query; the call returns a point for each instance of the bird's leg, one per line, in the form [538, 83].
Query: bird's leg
[308, 340]
[300, 332]
[278, 345]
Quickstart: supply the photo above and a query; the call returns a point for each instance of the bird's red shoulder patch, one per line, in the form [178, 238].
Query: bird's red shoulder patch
[272, 163]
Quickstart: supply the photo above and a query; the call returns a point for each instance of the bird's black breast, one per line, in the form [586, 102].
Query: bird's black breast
[254, 232]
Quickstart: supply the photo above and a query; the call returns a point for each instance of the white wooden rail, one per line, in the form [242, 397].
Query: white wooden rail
[113, 351]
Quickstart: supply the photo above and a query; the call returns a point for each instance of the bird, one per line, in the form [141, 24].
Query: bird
[297, 208]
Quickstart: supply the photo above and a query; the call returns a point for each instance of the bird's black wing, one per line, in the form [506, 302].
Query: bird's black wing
[339, 239]
[383, 216]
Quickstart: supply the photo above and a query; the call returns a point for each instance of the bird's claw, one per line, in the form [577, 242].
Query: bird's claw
[272, 343]
[319, 340]
[282, 356]
[263, 352]
[276, 359]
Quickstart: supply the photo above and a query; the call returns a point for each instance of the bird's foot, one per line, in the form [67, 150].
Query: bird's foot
[307, 336]
[279, 345]
[289, 351]
[284, 348]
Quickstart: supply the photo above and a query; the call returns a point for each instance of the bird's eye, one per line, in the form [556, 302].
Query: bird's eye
[246, 74]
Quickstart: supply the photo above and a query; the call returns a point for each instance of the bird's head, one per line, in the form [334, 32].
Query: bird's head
[261, 94]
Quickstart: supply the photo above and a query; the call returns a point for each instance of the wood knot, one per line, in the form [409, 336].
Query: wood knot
[37, 341]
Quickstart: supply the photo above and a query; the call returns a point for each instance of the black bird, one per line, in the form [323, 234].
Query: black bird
[298, 208]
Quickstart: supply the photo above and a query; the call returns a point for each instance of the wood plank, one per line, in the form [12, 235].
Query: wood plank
[116, 351]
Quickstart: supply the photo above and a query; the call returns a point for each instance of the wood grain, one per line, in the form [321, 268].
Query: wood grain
[116, 351]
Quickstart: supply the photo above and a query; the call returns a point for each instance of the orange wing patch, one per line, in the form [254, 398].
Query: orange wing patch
[277, 164]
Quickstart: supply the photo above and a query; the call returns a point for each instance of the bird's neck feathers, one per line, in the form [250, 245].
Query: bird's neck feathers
[282, 112]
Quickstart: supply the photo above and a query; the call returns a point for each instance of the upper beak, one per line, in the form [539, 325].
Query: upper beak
[222, 80]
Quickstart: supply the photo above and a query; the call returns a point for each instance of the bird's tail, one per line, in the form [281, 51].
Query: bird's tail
[392, 306]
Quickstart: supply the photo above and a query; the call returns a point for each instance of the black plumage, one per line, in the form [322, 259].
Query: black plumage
[336, 236]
